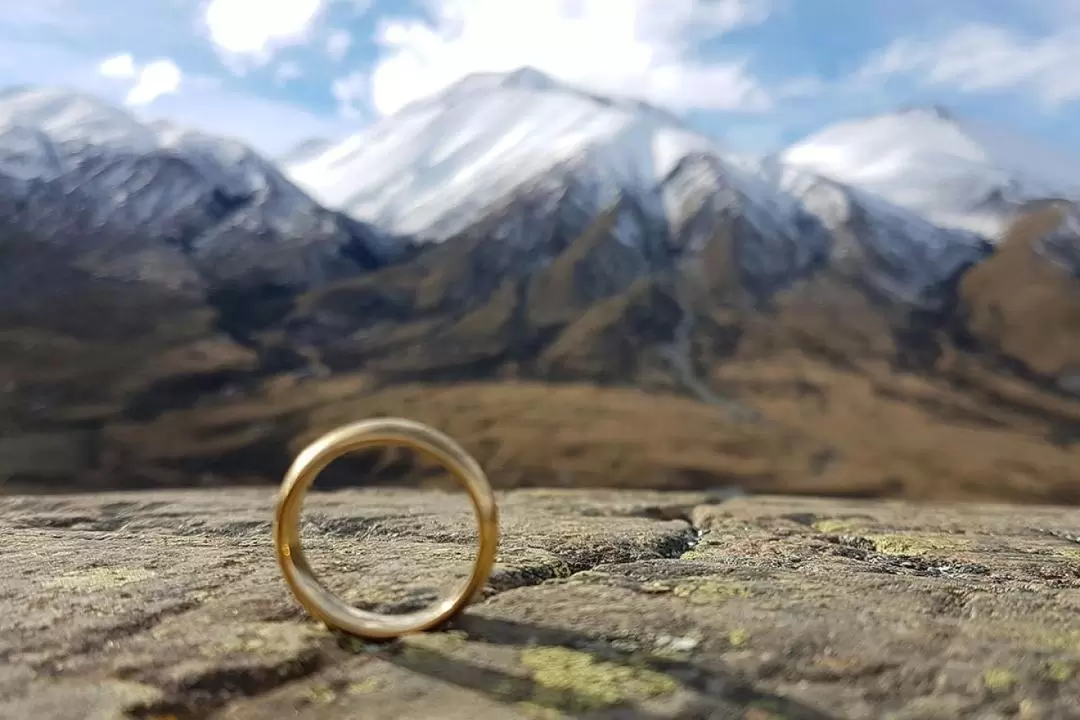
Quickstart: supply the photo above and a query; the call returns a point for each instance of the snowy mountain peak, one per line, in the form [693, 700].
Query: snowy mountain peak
[938, 111]
[522, 80]
[80, 121]
[47, 133]
[69, 116]
[527, 81]
[528, 78]
[956, 172]
[193, 200]
[542, 154]
[432, 167]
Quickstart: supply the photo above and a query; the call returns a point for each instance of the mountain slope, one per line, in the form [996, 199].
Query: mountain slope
[823, 389]
[439, 164]
[494, 143]
[442, 164]
[135, 257]
[957, 173]
[789, 330]
[209, 210]
[1022, 306]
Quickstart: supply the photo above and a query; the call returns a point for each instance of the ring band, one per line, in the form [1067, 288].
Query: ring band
[381, 432]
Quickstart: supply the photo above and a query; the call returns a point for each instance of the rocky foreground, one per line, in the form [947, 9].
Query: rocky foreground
[605, 604]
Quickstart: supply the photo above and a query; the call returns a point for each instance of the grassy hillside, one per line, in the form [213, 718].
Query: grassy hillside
[583, 372]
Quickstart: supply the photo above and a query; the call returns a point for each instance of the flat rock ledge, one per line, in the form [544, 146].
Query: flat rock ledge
[603, 605]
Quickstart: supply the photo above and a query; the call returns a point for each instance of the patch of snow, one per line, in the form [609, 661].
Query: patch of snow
[233, 211]
[957, 173]
[484, 138]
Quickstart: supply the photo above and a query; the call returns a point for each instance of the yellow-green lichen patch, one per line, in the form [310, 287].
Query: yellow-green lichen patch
[711, 548]
[448, 641]
[1059, 671]
[914, 545]
[431, 649]
[321, 695]
[572, 681]
[738, 637]
[101, 578]
[1070, 553]
[998, 680]
[703, 591]
[838, 526]
[366, 686]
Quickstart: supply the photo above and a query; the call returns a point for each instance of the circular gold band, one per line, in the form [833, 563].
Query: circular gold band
[380, 432]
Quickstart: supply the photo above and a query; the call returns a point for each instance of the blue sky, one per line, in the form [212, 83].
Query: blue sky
[756, 74]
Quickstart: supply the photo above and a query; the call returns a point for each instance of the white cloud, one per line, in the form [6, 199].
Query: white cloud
[118, 66]
[151, 81]
[215, 105]
[352, 92]
[255, 28]
[641, 48]
[338, 44]
[287, 72]
[982, 58]
[156, 78]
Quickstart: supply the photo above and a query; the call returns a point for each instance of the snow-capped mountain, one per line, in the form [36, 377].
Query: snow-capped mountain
[203, 208]
[957, 173]
[438, 164]
[443, 163]
[527, 160]
[522, 147]
[562, 236]
[898, 250]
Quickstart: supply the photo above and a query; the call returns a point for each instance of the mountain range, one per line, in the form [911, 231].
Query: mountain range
[582, 288]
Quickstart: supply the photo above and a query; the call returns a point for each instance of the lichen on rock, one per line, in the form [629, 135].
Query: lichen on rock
[794, 608]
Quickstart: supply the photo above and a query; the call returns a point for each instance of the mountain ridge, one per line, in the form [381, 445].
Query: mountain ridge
[767, 294]
[956, 172]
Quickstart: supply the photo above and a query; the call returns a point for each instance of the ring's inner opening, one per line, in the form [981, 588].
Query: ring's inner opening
[379, 543]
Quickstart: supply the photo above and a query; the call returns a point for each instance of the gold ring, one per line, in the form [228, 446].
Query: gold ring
[312, 594]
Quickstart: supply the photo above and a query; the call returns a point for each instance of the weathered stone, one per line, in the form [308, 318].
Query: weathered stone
[603, 605]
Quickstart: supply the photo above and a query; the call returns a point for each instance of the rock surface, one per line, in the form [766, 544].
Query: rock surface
[604, 604]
